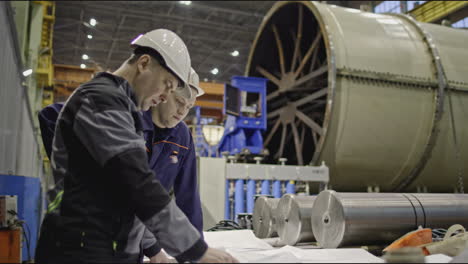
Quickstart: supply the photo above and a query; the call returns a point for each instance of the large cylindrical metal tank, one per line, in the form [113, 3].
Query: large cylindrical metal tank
[344, 219]
[381, 98]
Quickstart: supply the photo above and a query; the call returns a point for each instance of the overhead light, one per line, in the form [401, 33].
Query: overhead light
[215, 71]
[27, 72]
[185, 2]
[85, 57]
[82, 66]
[235, 53]
[92, 22]
[90, 36]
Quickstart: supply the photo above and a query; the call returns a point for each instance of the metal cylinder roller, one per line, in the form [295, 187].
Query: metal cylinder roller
[344, 219]
[372, 95]
[293, 219]
[443, 210]
[264, 221]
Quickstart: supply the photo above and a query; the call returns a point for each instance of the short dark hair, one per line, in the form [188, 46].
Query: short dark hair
[140, 51]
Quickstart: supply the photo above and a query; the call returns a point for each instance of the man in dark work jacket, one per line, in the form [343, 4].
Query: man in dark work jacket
[99, 152]
[171, 156]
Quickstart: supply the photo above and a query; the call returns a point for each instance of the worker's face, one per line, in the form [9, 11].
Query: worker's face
[153, 83]
[176, 108]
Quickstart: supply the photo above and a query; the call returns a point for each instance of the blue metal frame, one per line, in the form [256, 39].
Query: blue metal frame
[242, 132]
[30, 205]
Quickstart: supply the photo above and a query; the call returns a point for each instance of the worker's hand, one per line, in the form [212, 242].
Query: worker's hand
[161, 257]
[217, 256]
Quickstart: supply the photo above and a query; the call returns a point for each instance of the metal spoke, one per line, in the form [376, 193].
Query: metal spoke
[302, 134]
[289, 136]
[317, 103]
[280, 49]
[297, 145]
[314, 59]
[272, 132]
[314, 136]
[300, 102]
[298, 39]
[273, 94]
[275, 113]
[283, 137]
[299, 54]
[268, 75]
[308, 54]
[309, 122]
[311, 97]
[305, 88]
[312, 75]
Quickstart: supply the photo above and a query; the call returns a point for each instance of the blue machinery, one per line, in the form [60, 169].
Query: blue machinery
[245, 107]
[258, 178]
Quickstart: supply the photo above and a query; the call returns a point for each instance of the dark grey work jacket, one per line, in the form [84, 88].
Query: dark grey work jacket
[99, 152]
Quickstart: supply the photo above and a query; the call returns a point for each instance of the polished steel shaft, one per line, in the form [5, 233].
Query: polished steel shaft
[293, 219]
[343, 219]
[264, 221]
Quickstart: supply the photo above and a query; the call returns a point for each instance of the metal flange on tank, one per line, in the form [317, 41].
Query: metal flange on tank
[381, 98]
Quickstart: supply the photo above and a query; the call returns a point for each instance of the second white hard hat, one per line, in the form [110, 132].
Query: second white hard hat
[194, 81]
[173, 50]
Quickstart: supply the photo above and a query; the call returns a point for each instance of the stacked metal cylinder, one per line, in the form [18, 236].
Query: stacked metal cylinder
[293, 219]
[264, 217]
[350, 219]
[288, 218]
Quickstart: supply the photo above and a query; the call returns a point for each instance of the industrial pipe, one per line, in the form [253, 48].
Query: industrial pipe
[293, 219]
[277, 189]
[239, 199]
[345, 219]
[265, 187]
[381, 98]
[290, 187]
[251, 191]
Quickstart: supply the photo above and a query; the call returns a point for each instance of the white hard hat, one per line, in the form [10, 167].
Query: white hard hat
[194, 81]
[173, 50]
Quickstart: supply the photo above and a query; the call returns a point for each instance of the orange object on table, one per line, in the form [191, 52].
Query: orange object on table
[10, 246]
[412, 239]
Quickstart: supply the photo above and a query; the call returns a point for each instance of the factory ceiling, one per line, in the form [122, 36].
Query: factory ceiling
[212, 30]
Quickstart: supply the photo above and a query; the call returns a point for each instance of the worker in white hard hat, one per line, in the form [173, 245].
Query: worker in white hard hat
[171, 153]
[102, 179]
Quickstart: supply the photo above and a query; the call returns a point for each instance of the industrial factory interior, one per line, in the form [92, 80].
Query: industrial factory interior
[233, 131]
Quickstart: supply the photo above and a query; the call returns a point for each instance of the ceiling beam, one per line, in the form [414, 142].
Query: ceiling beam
[114, 38]
[67, 33]
[148, 15]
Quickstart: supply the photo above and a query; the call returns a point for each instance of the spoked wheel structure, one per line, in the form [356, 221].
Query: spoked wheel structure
[293, 58]
[381, 98]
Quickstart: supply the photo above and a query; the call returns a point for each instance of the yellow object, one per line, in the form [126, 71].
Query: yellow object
[45, 69]
[432, 11]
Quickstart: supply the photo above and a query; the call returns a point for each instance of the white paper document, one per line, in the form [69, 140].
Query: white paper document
[239, 239]
[244, 246]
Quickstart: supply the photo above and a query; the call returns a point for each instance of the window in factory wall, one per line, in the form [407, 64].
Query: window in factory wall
[461, 23]
[413, 4]
[389, 7]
